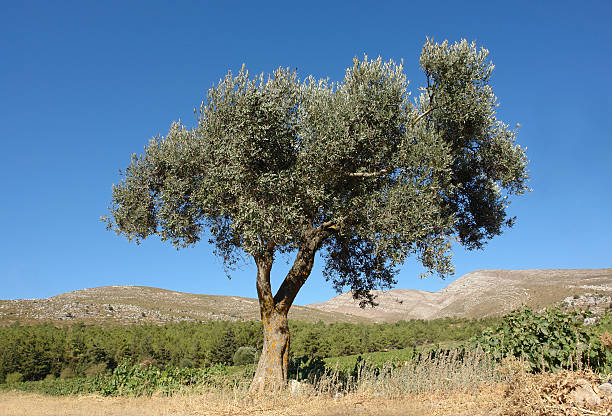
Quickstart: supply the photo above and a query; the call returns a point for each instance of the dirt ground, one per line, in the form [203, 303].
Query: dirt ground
[456, 404]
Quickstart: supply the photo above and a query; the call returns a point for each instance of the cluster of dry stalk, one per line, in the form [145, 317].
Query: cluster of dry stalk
[450, 384]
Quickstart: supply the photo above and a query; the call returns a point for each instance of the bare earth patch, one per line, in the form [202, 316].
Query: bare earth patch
[479, 403]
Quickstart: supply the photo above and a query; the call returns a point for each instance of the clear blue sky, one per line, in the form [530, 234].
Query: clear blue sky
[85, 84]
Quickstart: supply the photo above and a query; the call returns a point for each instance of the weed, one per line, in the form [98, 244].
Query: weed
[548, 341]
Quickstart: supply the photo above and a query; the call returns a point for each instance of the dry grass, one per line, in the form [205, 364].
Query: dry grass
[442, 386]
[455, 403]
[549, 394]
[606, 339]
[445, 372]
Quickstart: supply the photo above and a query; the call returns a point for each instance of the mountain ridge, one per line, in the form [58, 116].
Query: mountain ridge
[128, 304]
[480, 293]
[487, 292]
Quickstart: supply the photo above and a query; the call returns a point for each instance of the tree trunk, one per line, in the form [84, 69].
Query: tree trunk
[273, 364]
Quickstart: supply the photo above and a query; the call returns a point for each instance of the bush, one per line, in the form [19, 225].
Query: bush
[95, 370]
[245, 355]
[135, 380]
[223, 347]
[66, 373]
[548, 341]
[186, 363]
[302, 368]
[15, 377]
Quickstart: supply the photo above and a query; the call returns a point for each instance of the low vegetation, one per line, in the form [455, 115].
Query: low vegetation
[39, 351]
[505, 369]
[426, 371]
[551, 340]
[440, 384]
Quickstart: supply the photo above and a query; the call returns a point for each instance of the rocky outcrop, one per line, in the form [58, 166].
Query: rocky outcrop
[123, 305]
[477, 294]
[486, 293]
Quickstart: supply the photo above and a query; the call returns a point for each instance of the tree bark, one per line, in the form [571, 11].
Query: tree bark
[274, 361]
[273, 364]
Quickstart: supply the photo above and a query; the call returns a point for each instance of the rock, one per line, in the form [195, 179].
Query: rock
[294, 386]
[299, 388]
[337, 396]
[606, 390]
[583, 394]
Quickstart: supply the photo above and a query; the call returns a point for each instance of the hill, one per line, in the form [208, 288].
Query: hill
[486, 293]
[477, 294]
[120, 305]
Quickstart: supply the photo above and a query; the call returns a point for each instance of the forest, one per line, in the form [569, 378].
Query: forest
[38, 351]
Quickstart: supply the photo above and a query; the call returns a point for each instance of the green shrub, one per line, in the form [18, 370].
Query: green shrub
[135, 380]
[223, 347]
[95, 370]
[15, 377]
[59, 387]
[245, 355]
[302, 368]
[66, 373]
[547, 341]
[186, 363]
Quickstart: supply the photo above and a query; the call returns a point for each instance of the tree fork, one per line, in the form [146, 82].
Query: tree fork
[273, 366]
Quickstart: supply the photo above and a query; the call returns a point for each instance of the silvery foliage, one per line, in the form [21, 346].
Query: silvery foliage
[389, 177]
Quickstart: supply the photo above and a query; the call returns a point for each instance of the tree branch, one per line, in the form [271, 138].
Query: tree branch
[264, 289]
[422, 115]
[368, 174]
[331, 225]
[302, 266]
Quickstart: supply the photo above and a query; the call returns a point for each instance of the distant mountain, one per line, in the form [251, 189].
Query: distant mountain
[477, 294]
[121, 305]
[486, 293]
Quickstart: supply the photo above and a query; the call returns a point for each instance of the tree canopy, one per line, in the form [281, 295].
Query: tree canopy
[357, 170]
[273, 157]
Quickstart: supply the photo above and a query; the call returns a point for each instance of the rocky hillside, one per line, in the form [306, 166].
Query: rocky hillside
[120, 305]
[477, 294]
[486, 293]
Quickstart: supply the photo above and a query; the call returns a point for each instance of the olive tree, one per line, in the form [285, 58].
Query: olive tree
[358, 171]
